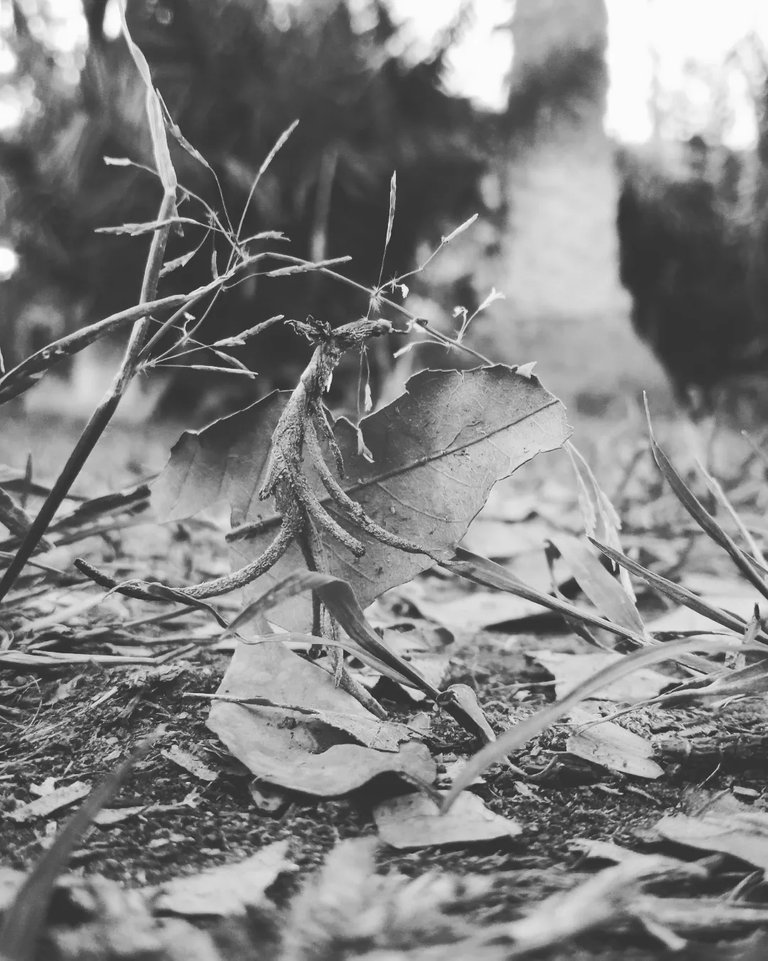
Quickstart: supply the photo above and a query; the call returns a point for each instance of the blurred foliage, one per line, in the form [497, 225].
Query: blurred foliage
[234, 74]
[694, 256]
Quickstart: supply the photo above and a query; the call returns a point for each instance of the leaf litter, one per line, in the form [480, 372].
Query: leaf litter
[321, 717]
[327, 516]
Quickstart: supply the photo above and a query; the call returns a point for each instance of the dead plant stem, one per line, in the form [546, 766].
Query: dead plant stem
[105, 410]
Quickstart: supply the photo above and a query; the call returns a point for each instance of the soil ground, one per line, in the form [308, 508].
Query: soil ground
[75, 723]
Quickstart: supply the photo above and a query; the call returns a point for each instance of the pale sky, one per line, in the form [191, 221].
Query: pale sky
[678, 30]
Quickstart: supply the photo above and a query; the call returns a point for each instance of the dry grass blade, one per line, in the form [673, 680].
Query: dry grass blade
[521, 733]
[483, 571]
[24, 918]
[280, 143]
[680, 595]
[29, 371]
[340, 601]
[757, 558]
[605, 591]
[702, 517]
[744, 681]
[104, 412]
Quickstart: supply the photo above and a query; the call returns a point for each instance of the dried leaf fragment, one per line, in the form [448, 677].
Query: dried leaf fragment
[225, 891]
[414, 821]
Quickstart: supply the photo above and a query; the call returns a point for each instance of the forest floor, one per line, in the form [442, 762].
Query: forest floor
[188, 805]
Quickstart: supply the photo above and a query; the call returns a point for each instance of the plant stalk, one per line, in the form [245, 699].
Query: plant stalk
[103, 414]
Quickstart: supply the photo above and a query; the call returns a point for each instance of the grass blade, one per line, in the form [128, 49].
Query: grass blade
[606, 592]
[702, 517]
[480, 570]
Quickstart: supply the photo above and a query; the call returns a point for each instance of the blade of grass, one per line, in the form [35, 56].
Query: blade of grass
[280, 143]
[679, 594]
[483, 571]
[757, 559]
[27, 373]
[702, 517]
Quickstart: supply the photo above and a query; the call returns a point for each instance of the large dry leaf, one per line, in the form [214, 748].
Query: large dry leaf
[300, 749]
[437, 452]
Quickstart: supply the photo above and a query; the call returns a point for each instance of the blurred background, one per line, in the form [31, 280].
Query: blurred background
[616, 152]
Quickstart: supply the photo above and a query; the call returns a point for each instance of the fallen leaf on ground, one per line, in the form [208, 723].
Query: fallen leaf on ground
[612, 746]
[109, 816]
[682, 620]
[414, 821]
[569, 670]
[189, 762]
[225, 891]
[593, 848]
[742, 834]
[46, 805]
[699, 917]
[10, 882]
[431, 664]
[300, 749]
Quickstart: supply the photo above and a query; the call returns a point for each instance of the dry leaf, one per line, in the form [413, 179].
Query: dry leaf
[612, 746]
[414, 821]
[569, 670]
[300, 749]
[472, 611]
[190, 763]
[742, 834]
[225, 891]
[46, 805]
